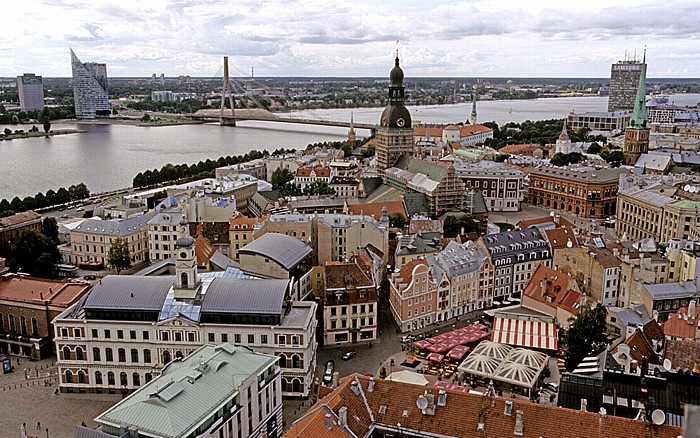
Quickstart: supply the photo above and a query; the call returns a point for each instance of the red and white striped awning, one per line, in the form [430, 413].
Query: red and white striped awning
[523, 333]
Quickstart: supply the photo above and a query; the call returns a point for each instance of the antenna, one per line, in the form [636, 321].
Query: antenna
[658, 417]
[422, 402]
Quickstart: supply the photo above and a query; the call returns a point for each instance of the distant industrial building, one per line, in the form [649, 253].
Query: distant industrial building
[162, 96]
[31, 92]
[90, 89]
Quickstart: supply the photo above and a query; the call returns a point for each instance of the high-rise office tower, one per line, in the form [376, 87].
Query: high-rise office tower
[637, 133]
[90, 89]
[395, 132]
[624, 78]
[31, 92]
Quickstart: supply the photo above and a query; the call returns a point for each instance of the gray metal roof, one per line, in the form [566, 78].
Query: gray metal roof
[510, 243]
[285, 250]
[86, 432]
[419, 243]
[129, 293]
[581, 173]
[457, 259]
[114, 227]
[662, 291]
[635, 315]
[264, 296]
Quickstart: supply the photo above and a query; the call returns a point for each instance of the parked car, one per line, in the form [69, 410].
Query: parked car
[349, 355]
[328, 374]
[81, 208]
[89, 277]
[408, 338]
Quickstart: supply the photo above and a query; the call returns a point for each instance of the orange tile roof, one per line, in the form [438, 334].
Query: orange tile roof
[519, 149]
[681, 326]
[683, 354]
[375, 208]
[320, 171]
[640, 346]
[467, 130]
[462, 416]
[560, 237]
[558, 292]
[203, 250]
[22, 288]
[435, 132]
[406, 271]
[244, 223]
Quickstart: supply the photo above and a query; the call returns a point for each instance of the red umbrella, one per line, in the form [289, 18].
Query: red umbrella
[435, 357]
[422, 343]
[458, 352]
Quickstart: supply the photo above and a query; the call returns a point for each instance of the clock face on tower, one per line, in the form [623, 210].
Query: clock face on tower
[400, 122]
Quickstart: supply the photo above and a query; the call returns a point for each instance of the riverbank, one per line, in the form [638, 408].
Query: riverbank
[156, 121]
[36, 134]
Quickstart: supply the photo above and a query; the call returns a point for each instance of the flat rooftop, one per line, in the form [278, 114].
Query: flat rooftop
[22, 288]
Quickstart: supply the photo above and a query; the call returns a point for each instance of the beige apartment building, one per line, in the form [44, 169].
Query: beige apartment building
[333, 237]
[596, 271]
[93, 238]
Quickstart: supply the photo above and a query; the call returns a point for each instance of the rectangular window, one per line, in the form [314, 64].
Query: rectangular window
[108, 334]
[263, 339]
[237, 338]
[132, 334]
[164, 336]
[211, 338]
[145, 335]
[224, 337]
[120, 334]
[282, 340]
[94, 333]
[251, 339]
[178, 336]
[190, 336]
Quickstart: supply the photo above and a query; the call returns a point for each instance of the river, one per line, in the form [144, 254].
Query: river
[107, 157]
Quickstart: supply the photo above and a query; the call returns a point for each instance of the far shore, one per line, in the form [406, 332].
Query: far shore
[39, 134]
[130, 122]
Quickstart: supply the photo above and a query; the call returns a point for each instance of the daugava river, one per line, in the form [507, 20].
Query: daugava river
[107, 157]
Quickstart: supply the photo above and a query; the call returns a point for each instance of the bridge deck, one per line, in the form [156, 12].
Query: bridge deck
[266, 116]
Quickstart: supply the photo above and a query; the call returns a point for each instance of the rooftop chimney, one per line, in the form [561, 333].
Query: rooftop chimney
[371, 384]
[645, 366]
[343, 415]
[328, 422]
[518, 423]
[354, 387]
[442, 398]
[584, 404]
[509, 408]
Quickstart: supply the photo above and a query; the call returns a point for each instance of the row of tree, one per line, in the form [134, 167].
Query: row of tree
[540, 132]
[203, 169]
[52, 198]
[47, 114]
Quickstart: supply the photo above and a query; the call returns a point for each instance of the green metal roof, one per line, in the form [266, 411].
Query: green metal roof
[639, 114]
[187, 393]
[686, 203]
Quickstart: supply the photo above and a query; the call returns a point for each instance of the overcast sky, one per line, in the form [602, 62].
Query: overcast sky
[482, 38]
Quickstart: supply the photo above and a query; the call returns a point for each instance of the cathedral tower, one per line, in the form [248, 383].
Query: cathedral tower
[637, 134]
[395, 133]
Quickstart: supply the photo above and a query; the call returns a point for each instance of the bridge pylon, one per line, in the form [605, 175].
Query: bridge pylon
[226, 91]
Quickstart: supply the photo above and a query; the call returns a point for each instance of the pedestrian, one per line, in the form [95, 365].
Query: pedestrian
[38, 425]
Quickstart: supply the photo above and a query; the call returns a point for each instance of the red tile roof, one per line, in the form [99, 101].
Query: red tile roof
[375, 208]
[558, 289]
[467, 130]
[560, 237]
[244, 223]
[640, 346]
[320, 171]
[683, 354]
[520, 149]
[681, 326]
[434, 132]
[391, 404]
[203, 250]
[22, 288]
[545, 220]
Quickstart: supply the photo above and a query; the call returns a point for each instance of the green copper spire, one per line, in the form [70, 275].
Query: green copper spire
[472, 116]
[639, 114]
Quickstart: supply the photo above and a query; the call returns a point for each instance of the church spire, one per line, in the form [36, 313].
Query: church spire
[639, 114]
[472, 116]
[564, 136]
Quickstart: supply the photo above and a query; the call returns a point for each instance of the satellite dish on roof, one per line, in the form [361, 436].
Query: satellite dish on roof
[569, 243]
[658, 417]
[422, 402]
[667, 364]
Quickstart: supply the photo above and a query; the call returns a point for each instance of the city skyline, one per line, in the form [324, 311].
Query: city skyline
[352, 39]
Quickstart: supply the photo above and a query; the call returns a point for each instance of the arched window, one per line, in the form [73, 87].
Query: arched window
[2, 323]
[81, 376]
[136, 379]
[284, 384]
[23, 324]
[147, 355]
[110, 378]
[296, 361]
[283, 360]
[79, 353]
[122, 379]
[98, 378]
[109, 357]
[96, 354]
[121, 353]
[66, 353]
[166, 357]
[183, 279]
[296, 385]
[134, 355]
[11, 322]
[178, 354]
[35, 327]
[148, 377]
[69, 376]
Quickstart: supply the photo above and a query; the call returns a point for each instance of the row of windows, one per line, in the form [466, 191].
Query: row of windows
[344, 309]
[109, 354]
[251, 339]
[99, 380]
[12, 328]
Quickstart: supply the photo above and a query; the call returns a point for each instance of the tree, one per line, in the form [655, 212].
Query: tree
[280, 177]
[34, 253]
[397, 220]
[49, 227]
[586, 333]
[118, 256]
[319, 188]
[453, 225]
[46, 123]
[594, 148]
